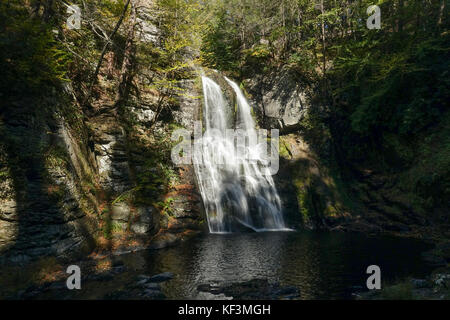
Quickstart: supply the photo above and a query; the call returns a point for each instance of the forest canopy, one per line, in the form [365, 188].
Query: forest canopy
[377, 83]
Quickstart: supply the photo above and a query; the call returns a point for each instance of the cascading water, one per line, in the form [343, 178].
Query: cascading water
[236, 193]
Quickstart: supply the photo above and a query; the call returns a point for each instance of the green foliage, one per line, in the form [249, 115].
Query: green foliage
[256, 36]
[257, 56]
[31, 60]
[110, 228]
[220, 47]
[402, 92]
[165, 206]
[123, 197]
[392, 90]
[157, 174]
[284, 149]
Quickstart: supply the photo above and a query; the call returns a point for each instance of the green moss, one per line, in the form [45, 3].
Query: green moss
[4, 173]
[165, 207]
[303, 203]
[175, 126]
[125, 196]
[319, 194]
[302, 183]
[56, 157]
[153, 170]
[284, 150]
[331, 211]
[427, 180]
[112, 228]
[341, 191]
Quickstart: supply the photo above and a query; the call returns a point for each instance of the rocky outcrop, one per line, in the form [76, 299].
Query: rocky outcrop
[307, 188]
[187, 210]
[111, 153]
[72, 176]
[45, 209]
[280, 100]
[256, 289]
[148, 31]
[147, 202]
[66, 183]
[315, 191]
[308, 193]
[189, 109]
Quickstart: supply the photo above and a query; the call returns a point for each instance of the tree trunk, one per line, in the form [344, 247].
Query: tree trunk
[105, 47]
[441, 12]
[36, 8]
[283, 19]
[126, 72]
[400, 15]
[324, 61]
[48, 10]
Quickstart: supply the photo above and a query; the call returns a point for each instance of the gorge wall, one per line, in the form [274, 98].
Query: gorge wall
[318, 190]
[71, 185]
[75, 179]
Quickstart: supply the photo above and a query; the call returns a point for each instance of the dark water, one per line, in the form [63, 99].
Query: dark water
[322, 265]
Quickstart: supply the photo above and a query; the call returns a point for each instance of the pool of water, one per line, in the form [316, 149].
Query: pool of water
[322, 265]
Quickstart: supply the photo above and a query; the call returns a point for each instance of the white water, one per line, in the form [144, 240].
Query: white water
[236, 194]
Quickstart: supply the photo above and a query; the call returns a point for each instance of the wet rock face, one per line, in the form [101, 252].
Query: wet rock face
[139, 221]
[280, 100]
[143, 114]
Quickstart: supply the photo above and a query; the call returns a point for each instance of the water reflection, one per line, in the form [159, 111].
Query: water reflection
[322, 265]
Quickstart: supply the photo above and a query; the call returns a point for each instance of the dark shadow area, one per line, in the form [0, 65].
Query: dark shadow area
[47, 219]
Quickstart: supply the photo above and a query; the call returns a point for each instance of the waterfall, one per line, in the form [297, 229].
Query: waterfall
[235, 191]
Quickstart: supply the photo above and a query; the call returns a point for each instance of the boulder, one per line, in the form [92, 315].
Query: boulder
[144, 221]
[120, 212]
[280, 99]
